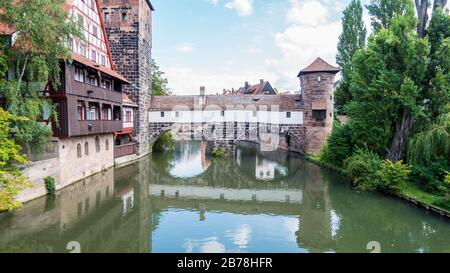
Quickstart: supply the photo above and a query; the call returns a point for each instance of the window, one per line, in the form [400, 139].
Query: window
[177, 114]
[124, 16]
[162, 114]
[93, 112]
[92, 4]
[79, 150]
[117, 115]
[86, 148]
[319, 78]
[79, 74]
[107, 144]
[106, 16]
[93, 79]
[222, 113]
[82, 50]
[106, 112]
[81, 20]
[103, 60]
[81, 110]
[93, 55]
[319, 114]
[288, 114]
[95, 31]
[97, 144]
[106, 84]
[128, 116]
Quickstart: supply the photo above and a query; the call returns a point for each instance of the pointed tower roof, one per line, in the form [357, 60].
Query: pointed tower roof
[319, 65]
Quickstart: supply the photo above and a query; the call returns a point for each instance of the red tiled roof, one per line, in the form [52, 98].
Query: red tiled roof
[319, 65]
[83, 60]
[128, 102]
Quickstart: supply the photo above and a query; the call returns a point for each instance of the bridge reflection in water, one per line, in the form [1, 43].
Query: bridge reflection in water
[187, 202]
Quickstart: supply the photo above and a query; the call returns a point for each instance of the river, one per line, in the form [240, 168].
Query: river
[185, 201]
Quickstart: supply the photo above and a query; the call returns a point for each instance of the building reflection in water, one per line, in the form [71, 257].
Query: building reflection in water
[219, 206]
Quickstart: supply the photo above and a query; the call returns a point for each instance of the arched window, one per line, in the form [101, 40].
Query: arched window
[97, 144]
[79, 150]
[107, 144]
[86, 148]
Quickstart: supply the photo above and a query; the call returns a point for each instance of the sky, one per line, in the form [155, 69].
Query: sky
[221, 44]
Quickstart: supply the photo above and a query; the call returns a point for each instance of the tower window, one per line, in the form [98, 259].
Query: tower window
[106, 16]
[319, 78]
[319, 114]
[124, 16]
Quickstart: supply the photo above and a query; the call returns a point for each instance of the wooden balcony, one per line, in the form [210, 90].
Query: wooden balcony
[93, 92]
[124, 150]
[92, 127]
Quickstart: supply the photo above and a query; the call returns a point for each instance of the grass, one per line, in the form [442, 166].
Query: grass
[410, 190]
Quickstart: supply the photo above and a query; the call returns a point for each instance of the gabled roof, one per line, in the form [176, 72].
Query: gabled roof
[150, 5]
[128, 102]
[319, 65]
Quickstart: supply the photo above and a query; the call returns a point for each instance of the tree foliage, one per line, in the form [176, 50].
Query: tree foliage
[387, 82]
[43, 32]
[159, 82]
[382, 12]
[12, 181]
[353, 38]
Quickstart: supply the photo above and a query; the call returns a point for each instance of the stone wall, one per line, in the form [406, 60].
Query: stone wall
[131, 45]
[74, 168]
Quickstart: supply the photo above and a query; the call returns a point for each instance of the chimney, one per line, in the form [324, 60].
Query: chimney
[202, 91]
[261, 81]
[247, 86]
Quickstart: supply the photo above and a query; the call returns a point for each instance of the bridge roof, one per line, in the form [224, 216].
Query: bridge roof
[284, 102]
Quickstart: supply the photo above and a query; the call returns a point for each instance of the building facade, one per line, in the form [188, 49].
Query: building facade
[129, 30]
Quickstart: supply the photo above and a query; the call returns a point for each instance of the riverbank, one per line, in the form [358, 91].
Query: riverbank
[410, 193]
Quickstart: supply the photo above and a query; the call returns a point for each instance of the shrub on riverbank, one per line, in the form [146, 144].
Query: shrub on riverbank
[339, 145]
[50, 185]
[392, 177]
[361, 169]
[165, 142]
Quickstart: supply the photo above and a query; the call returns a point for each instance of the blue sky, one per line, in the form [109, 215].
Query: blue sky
[223, 43]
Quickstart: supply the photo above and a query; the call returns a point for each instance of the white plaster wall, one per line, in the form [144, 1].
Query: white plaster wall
[215, 116]
[74, 168]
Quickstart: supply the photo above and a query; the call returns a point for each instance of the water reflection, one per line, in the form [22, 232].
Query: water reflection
[220, 206]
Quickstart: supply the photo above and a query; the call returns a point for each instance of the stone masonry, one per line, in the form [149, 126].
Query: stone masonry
[129, 29]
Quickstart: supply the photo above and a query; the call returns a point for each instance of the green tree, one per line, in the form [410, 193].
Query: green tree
[43, 31]
[12, 181]
[387, 84]
[382, 12]
[159, 82]
[353, 38]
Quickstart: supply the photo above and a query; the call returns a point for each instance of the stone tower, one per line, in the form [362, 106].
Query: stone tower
[317, 84]
[129, 29]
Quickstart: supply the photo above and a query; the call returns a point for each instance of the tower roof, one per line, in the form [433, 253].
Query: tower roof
[319, 65]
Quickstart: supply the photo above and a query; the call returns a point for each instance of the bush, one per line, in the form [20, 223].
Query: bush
[220, 152]
[430, 176]
[165, 142]
[339, 146]
[391, 177]
[50, 185]
[361, 169]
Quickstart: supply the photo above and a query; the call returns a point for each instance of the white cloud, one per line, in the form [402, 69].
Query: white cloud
[310, 34]
[243, 7]
[311, 13]
[185, 48]
[214, 2]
